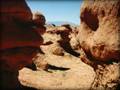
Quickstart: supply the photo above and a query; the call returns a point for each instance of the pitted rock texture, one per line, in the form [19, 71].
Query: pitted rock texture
[107, 77]
[99, 33]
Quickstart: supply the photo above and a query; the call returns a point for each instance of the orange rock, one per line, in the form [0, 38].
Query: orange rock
[99, 33]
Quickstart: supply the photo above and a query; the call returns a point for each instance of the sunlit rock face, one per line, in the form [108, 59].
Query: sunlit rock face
[99, 33]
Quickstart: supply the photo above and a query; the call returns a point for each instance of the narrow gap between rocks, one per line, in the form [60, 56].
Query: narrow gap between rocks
[52, 67]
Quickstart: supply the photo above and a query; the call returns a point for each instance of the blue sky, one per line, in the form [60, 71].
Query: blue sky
[62, 10]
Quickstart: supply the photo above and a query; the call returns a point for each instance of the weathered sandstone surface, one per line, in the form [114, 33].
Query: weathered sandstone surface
[60, 57]
[64, 48]
[62, 72]
[99, 33]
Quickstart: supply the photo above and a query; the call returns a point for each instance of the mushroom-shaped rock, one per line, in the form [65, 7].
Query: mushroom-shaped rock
[39, 18]
[39, 22]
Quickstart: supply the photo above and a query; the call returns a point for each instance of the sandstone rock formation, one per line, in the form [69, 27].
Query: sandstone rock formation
[39, 18]
[66, 36]
[62, 72]
[58, 66]
[99, 33]
[99, 37]
[19, 40]
[20, 32]
[58, 61]
[107, 77]
[39, 22]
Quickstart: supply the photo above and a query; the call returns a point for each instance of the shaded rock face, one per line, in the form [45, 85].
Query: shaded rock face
[16, 22]
[20, 40]
[99, 33]
[18, 30]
